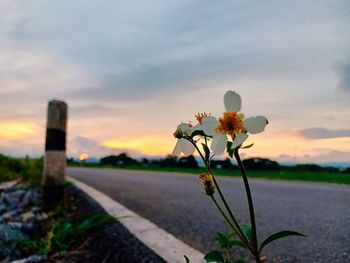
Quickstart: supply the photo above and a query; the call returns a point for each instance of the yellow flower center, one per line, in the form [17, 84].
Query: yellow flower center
[231, 123]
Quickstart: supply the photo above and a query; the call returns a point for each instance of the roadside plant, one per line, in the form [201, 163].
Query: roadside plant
[62, 235]
[212, 136]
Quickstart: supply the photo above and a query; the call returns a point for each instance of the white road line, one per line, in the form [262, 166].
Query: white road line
[161, 242]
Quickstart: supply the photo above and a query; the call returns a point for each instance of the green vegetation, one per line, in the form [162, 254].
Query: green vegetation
[24, 169]
[65, 229]
[63, 234]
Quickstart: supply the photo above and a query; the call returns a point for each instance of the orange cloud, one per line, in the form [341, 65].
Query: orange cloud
[14, 130]
[270, 145]
[276, 143]
[152, 144]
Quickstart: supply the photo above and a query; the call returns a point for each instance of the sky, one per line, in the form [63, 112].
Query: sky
[131, 71]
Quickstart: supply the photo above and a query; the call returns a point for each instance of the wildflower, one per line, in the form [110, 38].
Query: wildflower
[183, 145]
[232, 124]
[206, 123]
[207, 182]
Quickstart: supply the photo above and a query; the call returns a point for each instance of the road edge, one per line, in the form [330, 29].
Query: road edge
[161, 242]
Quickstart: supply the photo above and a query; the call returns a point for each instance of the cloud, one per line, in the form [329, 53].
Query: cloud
[85, 142]
[94, 148]
[327, 156]
[149, 80]
[14, 130]
[125, 68]
[284, 156]
[164, 45]
[322, 133]
[343, 72]
[80, 145]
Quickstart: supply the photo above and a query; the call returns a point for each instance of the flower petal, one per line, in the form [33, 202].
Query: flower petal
[218, 145]
[239, 139]
[177, 149]
[255, 124]
[187, 147]
[185, 128]
[232, 101]
[209, 125]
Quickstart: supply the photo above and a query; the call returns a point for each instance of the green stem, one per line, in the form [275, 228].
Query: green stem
[223, 213]
[250, 204]
[237, 228]
[240, 233]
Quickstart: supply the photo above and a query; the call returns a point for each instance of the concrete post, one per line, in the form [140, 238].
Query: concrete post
[55, 155]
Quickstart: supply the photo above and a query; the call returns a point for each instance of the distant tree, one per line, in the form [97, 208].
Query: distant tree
[222, 164]
[110, 160]
[261, 164]
[331, 169]
[122, 159]
[144, 161]
[188, 162]
[70, 160]
[125, 159]
[347, 170]
[315, 168]
[168, 161]
[308, 167]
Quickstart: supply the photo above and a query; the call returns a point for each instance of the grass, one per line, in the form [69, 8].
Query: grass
[25, 169]
[64, 232]
[63, 235]
[289, 175]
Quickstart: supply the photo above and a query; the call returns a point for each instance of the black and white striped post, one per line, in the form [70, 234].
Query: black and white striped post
[55, 155]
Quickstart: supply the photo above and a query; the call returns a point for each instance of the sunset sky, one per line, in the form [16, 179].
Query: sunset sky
[131, 71]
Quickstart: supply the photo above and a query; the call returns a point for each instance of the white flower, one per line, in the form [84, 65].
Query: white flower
[206, 123]
[232, 123]
[183, 145]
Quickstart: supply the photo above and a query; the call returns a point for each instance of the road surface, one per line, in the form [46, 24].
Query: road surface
[175, 202]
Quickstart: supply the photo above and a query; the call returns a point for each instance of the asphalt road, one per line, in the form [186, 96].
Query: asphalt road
[175, 202]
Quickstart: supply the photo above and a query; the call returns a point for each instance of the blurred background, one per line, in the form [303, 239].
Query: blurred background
[132, 71]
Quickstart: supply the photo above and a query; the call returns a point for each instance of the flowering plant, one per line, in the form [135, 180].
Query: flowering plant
[210, 137]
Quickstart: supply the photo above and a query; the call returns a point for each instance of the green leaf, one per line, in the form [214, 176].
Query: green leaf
[197, 132]
[279, 235]
[207, 152]
[248, 231]
[237, 243]
[214, 256]
[223, 240]
[232, 234]
[247, 146]
[227, 241]
[187, 259]
[229, 149]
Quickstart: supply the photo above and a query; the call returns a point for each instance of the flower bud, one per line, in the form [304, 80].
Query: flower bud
[207, 183]
[178, 134]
